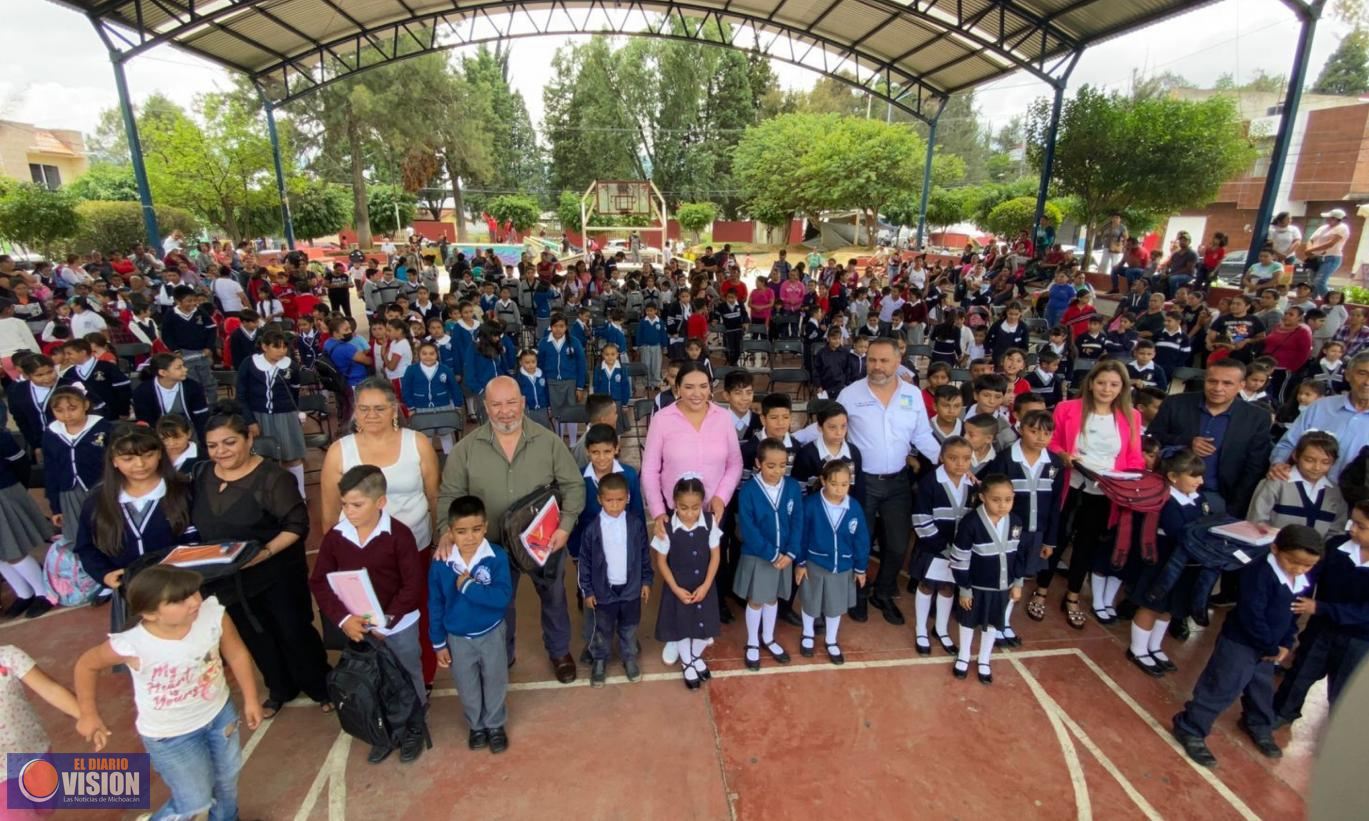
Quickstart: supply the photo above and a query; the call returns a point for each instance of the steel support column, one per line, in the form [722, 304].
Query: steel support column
[135, 151]
[1048, 161]
[927, 179]
[280, 173]
[1308, 14]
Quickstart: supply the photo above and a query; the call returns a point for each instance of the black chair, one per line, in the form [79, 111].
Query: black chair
[636, 371]
[267, 447]
[798, 377]
[1185, 377]
[437, 421]
[960, 375]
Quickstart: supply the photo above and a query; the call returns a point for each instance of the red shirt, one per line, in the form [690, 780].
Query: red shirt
[731, 286]
[696, 327]
[930, 401]
[1213, 257]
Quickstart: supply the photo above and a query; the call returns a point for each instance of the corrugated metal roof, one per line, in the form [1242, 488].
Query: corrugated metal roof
[946, 45]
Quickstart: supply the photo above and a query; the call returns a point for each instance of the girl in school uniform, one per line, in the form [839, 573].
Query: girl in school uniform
[612, 378]
[835, 555]
[944, 497]
[268, 384]
[141, 507]
[429, 385]
[946, 341]
[562, 361]
[770, 519]
[533, 383]
[30, 399]
[830, 444]
[1328, 367]
[983, 560]
[73, 456]
[491, 356]
[179, 440]
[169, 390]
[23, 528]
[687, 561]
[268, 307]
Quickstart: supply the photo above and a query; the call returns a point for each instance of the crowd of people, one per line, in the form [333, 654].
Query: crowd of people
[963, 427]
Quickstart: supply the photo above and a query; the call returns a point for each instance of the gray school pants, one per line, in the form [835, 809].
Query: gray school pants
[201, 370]
[405, 645]
[480, 668]
[651, 358]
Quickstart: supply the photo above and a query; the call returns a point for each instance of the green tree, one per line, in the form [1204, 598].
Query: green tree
[118, 226]
[37, 217]
[694, 217]
[383, 202]
[520, 210]
[318, 209]
[863, 164]
[568, 211]
[109, 143]
[515, 159]
[1155, 155]
[1347, 69]
[982, 199]
[960, 132]
[1012, 217]
[106, 182]
[767, 162]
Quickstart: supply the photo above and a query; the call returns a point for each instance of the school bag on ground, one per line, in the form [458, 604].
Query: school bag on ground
[67, 580]
[373, 696]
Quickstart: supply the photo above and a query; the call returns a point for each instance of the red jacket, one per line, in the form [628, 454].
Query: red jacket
[696, 327]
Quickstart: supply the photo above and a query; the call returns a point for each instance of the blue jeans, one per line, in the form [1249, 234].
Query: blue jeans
[1328, 266]
[201, 768]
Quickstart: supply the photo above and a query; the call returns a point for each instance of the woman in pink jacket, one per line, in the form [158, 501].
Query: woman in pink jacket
[1101, 431]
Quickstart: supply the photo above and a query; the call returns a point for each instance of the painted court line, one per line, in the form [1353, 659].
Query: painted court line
[1216, 783]
[257, 736]
[330, 775]
[1082, 801]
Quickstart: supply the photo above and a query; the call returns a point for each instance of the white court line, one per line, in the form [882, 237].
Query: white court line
[1082, 801]
[330, 775]
[1053, 708]
[256, 738]
[1216, 783]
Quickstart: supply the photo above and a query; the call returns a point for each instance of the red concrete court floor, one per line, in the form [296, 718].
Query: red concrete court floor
[1067, 730]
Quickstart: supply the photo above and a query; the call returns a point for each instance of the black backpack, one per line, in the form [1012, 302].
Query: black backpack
[373, 696]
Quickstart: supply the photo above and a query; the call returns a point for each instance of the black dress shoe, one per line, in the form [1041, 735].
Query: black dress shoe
[806, 645]
[958, 671]
[598, 673]
[499, 742]
[781, 657]
[632, 670]
[834, 655]
[923, 646]
[411, 746]
[1153, 670]
[379, 753]
[752, 664]
[40, 606]
[1202, 618]
[1263, 741]
[1162, 661]
[891, 612]
[478, 740]
[1195, 748]
[17, 607]
[565, 669]
[861, 612]
[1178, 630]
[946, 644]
[985, 674]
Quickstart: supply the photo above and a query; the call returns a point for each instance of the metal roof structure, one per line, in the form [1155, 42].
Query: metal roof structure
[912, 54]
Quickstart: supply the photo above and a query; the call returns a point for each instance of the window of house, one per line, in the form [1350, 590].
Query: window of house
[46, 175]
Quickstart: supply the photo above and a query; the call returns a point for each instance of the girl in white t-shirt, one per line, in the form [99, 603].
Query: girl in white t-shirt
[187, 722]
[399, 354]
[20, 730]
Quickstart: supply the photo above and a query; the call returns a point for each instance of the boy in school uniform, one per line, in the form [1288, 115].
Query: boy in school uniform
[1143, 370]
[367, 538]
[242, 343]
[734, 319]
[615, 577]
[651, 340]
[110, 390]
[832, 366]
[982, 430]
[1093, 343]
[739, 392]
[192, 333]
[467, 596]
[1256, 636]
[1173, 347]
[613, 333]
[949, 406]
[1122, 339]
[666, 397]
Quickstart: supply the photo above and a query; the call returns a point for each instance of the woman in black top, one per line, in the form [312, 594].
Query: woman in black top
[239, 496]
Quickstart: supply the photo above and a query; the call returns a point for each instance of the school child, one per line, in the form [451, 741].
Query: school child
[533, 384]
[615, 577]
[601, 454]
[583, 327]
[1012, 366]
[1059, 296]
[732, 315]
[30, 399]
[770, 518]
[1147, 402]
[687, 561]
[981, 431]
[268, 385]
[1143, 370]
[1258, 631]
[367, 538]
[739, 394]
[543, 297]
[1059, 343]
[1335, 641]
[1327, 367]
[1256, 381]
[176, 654]
[429, 385]
[110, 390]
[978, 368]
[943, 497]
[983, 559]
[562, 360]
[836, 551]
[492, 355]
[170, 390]
[1121, 340]
[675, 315]
[776, 412]
[694, 352]
[1184, 473]
[666, 397]
[179, 440]
[73, 456]
[612, 332]
[947, 422]
[1093, 343]
[468, 594]
[1307, 497]
[1022, 404]
[977, 349]
[487, 299]
[1173, 346]
[830, 444]
[812, 335]
[23, 528]
[832, 369]
[506, 310]
[399, 352]
[650, 340]
[612, 378]
[990, 394]
[26, 733]
[938, 374]
[242, 343]
[1008, 333]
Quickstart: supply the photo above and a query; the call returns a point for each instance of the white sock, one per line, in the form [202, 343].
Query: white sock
[22, 588]
[966, 641]
[1007, 617]
[1157, 635]
[943, 614]
[1112, 585]
[697, 649]
[1140, 640]
[445, 441]
[833, 622]
[1098, 585]
[298, 472]
[753, 626]
[768, 614]
[985, 648]
[32, 572]
[686, 652]
[808, 625]
[922, 607]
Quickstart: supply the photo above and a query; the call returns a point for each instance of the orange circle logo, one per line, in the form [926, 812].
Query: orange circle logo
[38, 780]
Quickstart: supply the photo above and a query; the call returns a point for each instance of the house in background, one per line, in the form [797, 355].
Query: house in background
[47, 156]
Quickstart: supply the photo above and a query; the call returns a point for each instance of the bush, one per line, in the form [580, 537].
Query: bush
[520, 211]
[1010, 218]
[36, 217]
[696, 216]
[118, 226]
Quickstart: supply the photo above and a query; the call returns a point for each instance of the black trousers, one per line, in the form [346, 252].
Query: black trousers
[1086, 524]
[341, 298]
[888, 504]
[287, 649]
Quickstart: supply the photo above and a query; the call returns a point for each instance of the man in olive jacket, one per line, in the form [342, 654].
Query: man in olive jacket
[502, 461]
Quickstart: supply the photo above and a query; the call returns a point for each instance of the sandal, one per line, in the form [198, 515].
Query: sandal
[269, 708]
[1036, 606]
[1074, 612]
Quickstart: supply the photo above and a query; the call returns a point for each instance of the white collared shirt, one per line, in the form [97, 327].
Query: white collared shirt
[1295, 585]
[886, 436]
[168, 395]
[826, 455]
[613, 530]
[836, 511]
[483, 552]
[349, 530]
[958, 491]
[141, 502]
[191, 451]
[741, 423]
[1183, 498]
[1311, 488]
[662, 545]
[589, 472]
[772, 492]
[1353, 551]
[1032, 468]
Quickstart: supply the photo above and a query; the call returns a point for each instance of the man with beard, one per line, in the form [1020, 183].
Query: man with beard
[502, 461]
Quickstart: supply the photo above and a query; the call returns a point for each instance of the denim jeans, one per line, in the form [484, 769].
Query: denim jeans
[201, 768]
[1328, 266]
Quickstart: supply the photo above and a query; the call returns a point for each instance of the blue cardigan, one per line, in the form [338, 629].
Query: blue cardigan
[593, 575]
[14, 462]
[768, 531]
[440, 391]
[619, 385]
[156, 537]
[278, 397]
[568, 363]
[475, 608]
[839, 549]
[534, 388]
[612, 333]
[592, 508]
[147, 407]
[651, 333]
[1262, 618]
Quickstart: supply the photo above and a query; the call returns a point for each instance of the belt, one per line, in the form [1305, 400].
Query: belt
[189, 354]
[885, 477]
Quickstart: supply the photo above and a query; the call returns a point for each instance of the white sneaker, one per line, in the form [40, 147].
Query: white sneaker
[670, 653]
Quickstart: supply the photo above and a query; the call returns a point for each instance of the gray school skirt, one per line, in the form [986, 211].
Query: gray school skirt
[561, 392]
[827, 594]
[286, 430]
[23, 527]
[72, 501]
[759, 581]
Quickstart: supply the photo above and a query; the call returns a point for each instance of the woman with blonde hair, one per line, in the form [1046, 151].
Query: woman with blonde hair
[1100, 431]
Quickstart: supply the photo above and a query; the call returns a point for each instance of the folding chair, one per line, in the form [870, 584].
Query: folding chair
[267, 447]
[753, 350]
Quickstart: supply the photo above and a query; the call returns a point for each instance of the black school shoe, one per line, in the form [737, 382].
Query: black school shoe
[1178, 630]
[499, 741]
[379, 753]
[1195, 748]
[478, 740]
[861, 612]
[1263, 741]
[40, 606]
[891, 612]
[411, 746]
[1153, 670]
[17, 607]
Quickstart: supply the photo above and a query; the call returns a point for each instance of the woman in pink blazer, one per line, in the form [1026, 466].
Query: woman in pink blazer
[1101, 431]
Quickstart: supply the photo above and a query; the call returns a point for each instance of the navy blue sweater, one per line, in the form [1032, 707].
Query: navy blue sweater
[31, 417]
[194, 334]
[14, 462]
[651, 333]
[767, 530]
[1262, 618]
[261, 396]
[593, 574]
[147, 403]
[1343, 592]
[71, 465]
[157, 536]
[109, 389]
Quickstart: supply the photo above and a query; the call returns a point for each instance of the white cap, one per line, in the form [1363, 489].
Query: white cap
[1334, 214]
